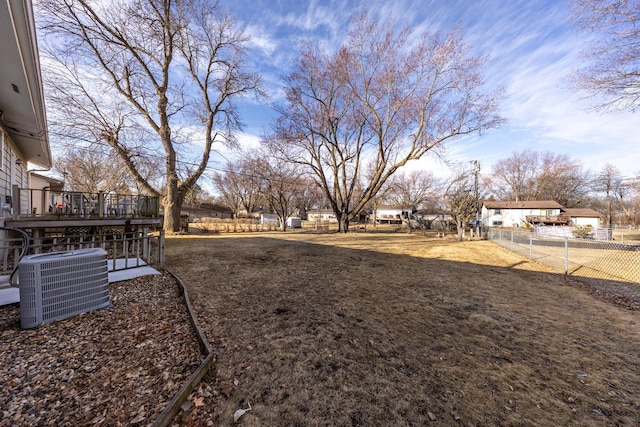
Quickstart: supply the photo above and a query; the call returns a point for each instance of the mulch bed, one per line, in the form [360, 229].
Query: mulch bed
[118, 366]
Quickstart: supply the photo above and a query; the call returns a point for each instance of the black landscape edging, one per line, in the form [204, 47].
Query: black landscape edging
[174, 406]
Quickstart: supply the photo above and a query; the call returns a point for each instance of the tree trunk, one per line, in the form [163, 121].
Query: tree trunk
[283, 224]
[172, 207]
[460, 226]
[343, 223]
[172, 217]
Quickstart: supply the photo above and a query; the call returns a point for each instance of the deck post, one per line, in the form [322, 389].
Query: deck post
[161, 250]
[101, 204]
[145, 244]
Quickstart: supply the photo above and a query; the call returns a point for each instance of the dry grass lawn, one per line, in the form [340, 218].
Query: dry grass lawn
[397, 329]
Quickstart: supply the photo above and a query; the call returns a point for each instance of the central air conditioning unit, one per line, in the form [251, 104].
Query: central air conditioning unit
[58, 285]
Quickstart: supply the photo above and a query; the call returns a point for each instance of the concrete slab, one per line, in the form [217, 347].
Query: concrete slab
[131, 273]
[11, 295]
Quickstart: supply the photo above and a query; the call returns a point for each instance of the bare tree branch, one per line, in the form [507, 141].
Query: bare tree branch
[354, 117]
[134, 67]
[612, 73]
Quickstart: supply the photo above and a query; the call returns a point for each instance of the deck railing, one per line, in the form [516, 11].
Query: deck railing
[548, 219]
[126, 248]
[43, 202]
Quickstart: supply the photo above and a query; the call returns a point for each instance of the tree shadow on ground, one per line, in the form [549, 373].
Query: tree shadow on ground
[317, 334]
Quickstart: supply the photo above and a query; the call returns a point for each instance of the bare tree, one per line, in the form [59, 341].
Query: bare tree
[530, 175]
[419, 188]
[513, 176]
[353, 117]
[228, 184]
[628, 197]
[145, 76]
[196, 196]
[460, 199]
[562, 179]
[614, 55]
[92, 170]
[618, 193]
[310, 195]
[282, 186]
[240, 184]
[608, 181]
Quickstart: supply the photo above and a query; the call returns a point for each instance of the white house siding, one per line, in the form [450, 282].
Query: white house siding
[321, 216]
[39, 194]
[392, 214]
[5, 177]
[294, 222]
[268, 219]
[13, 178]
[505, 217]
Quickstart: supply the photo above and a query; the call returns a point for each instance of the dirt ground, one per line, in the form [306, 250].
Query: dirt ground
[398, 329]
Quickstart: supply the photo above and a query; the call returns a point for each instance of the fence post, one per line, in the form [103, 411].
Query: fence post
[161, 250]
[531, 246]
[566, 256]
[145, 244]
[511, 247]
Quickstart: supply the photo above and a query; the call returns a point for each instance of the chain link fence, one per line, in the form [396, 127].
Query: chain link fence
[126, 249]
[611, 266]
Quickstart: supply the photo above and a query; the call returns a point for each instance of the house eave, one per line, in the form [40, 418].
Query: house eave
[22, 107]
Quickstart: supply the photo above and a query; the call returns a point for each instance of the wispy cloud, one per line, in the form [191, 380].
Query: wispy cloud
[533, 51]
[259, 38]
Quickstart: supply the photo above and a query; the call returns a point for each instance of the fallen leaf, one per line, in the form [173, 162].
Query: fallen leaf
[226, 389]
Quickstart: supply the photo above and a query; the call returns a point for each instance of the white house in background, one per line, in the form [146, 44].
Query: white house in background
[543, 212]
[23, 123]
[268, 219]
[517, 213]
[41, 191]
[272, 219]
[583, 217]
[321, 215]
[294, 222]
[392, 214]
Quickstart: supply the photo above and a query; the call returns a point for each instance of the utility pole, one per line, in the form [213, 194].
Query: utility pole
[476, 171]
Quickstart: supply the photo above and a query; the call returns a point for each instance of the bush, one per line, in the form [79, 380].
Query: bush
[583, 232]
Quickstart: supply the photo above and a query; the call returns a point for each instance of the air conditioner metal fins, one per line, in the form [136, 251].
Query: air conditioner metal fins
[62, 284]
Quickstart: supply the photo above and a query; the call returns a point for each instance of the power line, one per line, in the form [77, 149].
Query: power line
[184, 163]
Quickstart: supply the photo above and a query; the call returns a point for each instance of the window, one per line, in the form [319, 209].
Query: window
[495, 223]
[497, 211]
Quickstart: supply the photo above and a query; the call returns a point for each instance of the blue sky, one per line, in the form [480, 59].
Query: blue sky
[533, 47]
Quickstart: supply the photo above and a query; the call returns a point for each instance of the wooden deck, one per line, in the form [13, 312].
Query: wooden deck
[549, 219]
